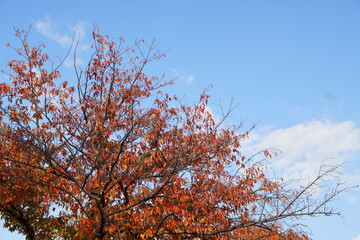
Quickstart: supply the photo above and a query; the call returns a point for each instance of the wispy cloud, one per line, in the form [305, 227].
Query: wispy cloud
[46, 28]
[305, 146]
[189, 78]
[353, 199]
[217, 118]
[75, 33]
[69, 62]
[357, 238]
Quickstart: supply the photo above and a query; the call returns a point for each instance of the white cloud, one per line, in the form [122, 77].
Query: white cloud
[217, 118]
[189, 79]
[69, 62]
[353, 199]
[75, 35]
[305, 146]
[47, 27]
[357, 238]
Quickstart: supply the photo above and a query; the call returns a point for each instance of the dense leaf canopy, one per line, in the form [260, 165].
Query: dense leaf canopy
[109, 155]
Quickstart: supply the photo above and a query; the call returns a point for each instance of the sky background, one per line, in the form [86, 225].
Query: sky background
[291, 67]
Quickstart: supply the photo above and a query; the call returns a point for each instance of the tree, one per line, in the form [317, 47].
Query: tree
[110, 155]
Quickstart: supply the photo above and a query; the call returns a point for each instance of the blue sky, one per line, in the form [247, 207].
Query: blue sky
[292, 67]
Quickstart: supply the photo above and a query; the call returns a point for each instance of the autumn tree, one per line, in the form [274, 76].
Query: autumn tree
[110, 155]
